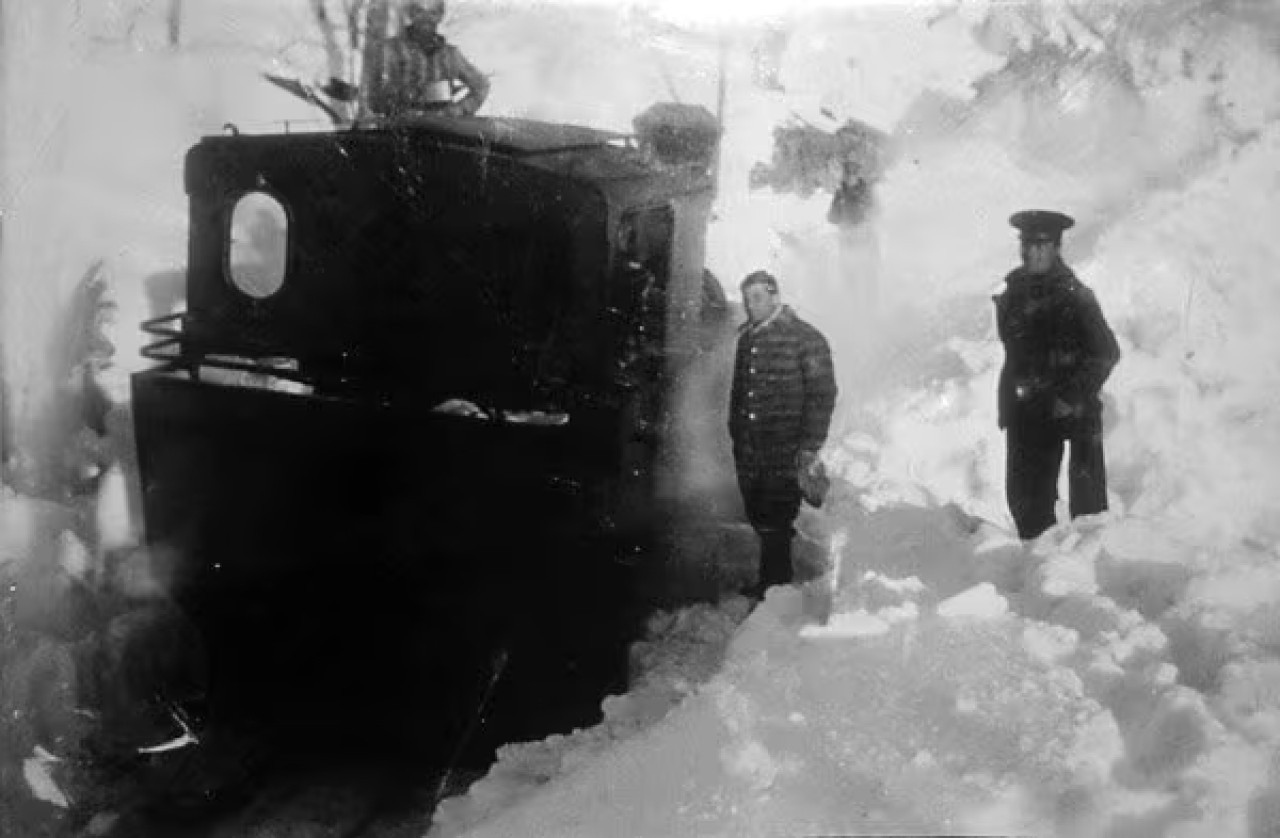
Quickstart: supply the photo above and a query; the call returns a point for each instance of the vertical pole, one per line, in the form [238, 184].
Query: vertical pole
[721, 94]
[377, 23]
[6, 443]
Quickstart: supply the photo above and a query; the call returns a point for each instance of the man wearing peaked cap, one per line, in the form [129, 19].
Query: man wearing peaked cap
[1059, 351]
[1042, 225]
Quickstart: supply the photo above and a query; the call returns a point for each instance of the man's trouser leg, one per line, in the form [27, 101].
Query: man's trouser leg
[772, 503]
[1087, 472]
[775, 557]
[1033, 458]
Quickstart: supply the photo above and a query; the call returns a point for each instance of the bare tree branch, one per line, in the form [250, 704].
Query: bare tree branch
[354, 31]
[332, 48]
[355, 36]
[377, 22]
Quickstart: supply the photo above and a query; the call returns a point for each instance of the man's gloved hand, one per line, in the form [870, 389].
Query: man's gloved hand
[455, 109]
[812, 477]
[1063, 409]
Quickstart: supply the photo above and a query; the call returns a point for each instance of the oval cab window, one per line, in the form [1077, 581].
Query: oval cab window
[259, 245]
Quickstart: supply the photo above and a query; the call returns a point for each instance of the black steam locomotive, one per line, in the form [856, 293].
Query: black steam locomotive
[403, 453]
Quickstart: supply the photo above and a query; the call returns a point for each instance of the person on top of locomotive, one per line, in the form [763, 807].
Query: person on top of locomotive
[423, 72]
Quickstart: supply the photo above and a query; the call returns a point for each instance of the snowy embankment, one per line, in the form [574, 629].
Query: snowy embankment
[1070, 691]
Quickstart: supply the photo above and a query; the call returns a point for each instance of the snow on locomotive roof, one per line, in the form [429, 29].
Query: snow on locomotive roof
[518, 137]
[506, 135]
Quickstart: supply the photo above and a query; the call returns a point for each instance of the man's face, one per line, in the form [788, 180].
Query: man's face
[424, 17]
[1039, 257]
[760, 302]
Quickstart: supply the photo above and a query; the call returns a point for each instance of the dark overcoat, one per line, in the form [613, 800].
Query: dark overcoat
[1059, 349]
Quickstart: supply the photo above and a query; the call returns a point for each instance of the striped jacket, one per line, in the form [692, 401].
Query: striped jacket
[783, 395]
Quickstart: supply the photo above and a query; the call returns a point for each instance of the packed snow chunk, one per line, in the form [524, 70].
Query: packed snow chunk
[860, 623]
[1136, 540]
[1241, 594]
[1142, 645]
[852, 624]
[1175, 732]
[30, 528]
[1066, 572]
[37, 770]
[1218, 792]
[869, 605]
[1264, 813]
[980, 601]
[1064, 575]
[1151, 588]
[686, 645]
[904, 588]
[1050, 643]
[751, 762]
[115, 526]
[1202, 640]
[1250, 697]
[1092, 616]
[999, 557]
[902, 542]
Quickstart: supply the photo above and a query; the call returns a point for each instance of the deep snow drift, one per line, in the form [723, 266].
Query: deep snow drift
[1118, 677]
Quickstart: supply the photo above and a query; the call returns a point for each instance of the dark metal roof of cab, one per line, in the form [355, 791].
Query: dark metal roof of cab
[517, 137]
[608, 160]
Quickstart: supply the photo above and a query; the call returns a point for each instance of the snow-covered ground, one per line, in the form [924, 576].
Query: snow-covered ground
[1119, 677]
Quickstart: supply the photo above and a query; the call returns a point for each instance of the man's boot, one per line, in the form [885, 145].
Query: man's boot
[775, 559]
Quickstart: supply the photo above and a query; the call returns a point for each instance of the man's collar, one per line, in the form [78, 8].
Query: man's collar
[428, 42]
[1058, 273]
[749, 327]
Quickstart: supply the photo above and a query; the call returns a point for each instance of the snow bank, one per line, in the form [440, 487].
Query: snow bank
[1039, 704]
[1195, 402]
[936, 725]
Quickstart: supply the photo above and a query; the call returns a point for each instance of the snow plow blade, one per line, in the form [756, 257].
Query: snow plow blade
[355, 569]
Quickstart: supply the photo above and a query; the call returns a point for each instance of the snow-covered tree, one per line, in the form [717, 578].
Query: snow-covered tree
[41, 45]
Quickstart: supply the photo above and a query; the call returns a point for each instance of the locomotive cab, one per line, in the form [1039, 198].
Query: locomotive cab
[402, 453]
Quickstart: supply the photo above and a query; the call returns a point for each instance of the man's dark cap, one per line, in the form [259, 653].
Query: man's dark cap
[764, 278]
[1041, 225]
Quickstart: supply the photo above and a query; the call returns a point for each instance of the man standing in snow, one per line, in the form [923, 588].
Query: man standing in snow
[422, 72]
[1059, 351]
[783, 394]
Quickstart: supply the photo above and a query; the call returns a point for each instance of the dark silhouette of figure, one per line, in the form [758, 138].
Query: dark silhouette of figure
[1059, 352]
[423, 72]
